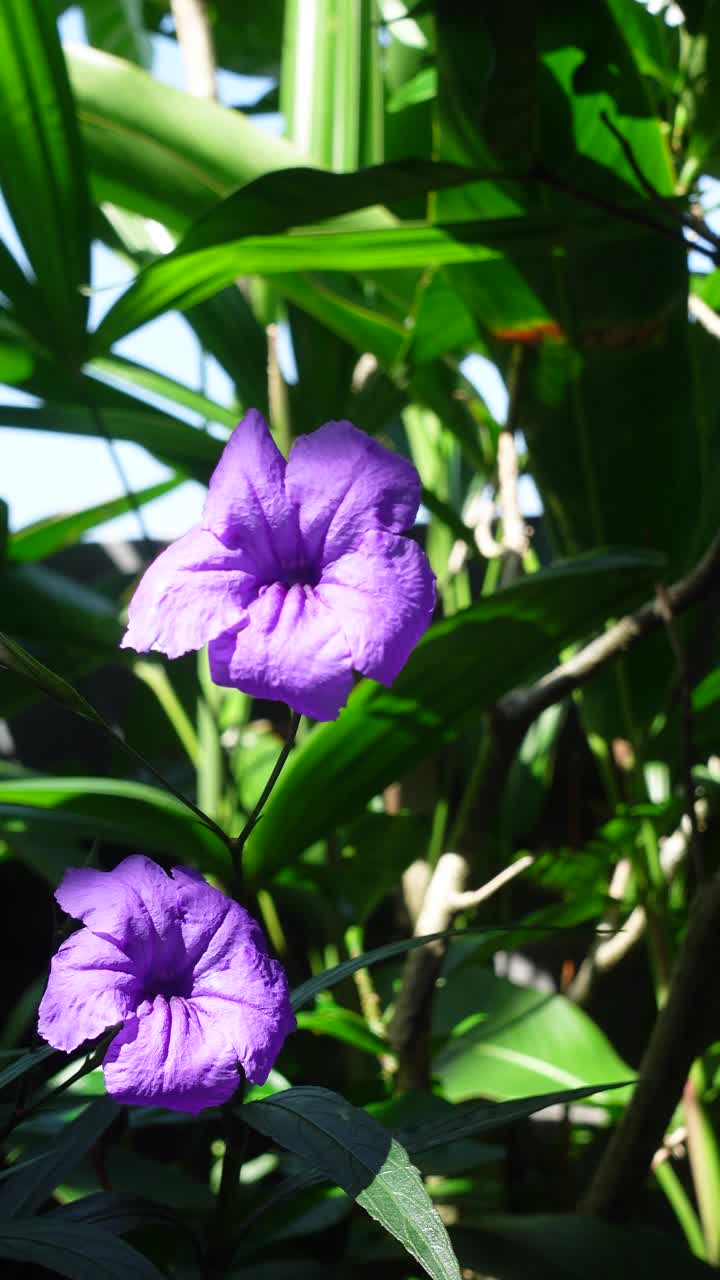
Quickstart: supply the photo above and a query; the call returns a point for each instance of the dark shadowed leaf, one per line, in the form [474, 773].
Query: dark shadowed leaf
[573, 1247]
[76, 1251]
[353, 1150]
[463, 664]
[32, 1185]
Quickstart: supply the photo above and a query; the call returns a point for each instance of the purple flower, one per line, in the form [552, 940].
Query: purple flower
[297, 575]
[183, 968]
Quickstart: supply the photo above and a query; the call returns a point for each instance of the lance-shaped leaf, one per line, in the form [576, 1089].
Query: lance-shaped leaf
[355, 1151]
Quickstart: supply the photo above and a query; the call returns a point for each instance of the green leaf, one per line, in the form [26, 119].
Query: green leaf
[342, 1024]
[117, 1212]
[16, 362]
[519, 1040]
[76, 1251]
[182, 279]
[707, 691]
[13, 656]
[307, 990]
[421, 88]
[38, 601]
[32, 1185]
[573, 1247]
[118, 369]
[376, 850]
[116, 26]
[464, 663]
[123, 813]
[356, 1152]
[24, 1063]
[158, 151]
[42, 169]
[468, 1119]
[297, 197]
[45, 537]
[172, 441]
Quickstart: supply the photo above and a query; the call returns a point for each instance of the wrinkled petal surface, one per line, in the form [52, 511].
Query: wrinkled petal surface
[345, 484]
[134, 907]
[194, 590]
[213, 926]
[91, 987]
[247, 507]
[382, 595]
[172, 1056]
[187, 971]
[292, 650]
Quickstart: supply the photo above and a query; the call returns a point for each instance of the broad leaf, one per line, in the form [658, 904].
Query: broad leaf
[23, 1063]
[117, 27]
[468, 1119]
[356, 1152]
[108, 809]
[183, 279]
[76, 1251]
[573, 1247]
[464, 663]
[32, 1185]
[518, 1040]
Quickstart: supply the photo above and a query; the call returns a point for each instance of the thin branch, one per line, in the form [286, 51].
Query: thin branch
[629, 154]
[410, 1031]
[686, 1024]
[609, 950]
[194, 37]
[98, 419]
[709, 319]
[522, 706]
[685, 692]
[474, 897]
[508, 723]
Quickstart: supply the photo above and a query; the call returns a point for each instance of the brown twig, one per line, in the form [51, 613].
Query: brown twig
[685, 1026]
[609, 950]
[685, 691]
[509, 722]
[194, 37]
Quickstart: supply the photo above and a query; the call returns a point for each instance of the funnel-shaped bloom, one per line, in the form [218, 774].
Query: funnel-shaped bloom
[297, 575]
[183, 968]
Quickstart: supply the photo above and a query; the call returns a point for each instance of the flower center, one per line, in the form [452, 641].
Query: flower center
[167, 985]
[304, 575]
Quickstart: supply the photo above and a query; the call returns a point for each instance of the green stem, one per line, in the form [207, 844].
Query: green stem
[704, 1160]
[103, 430]
[209, 764]
[156, 678]
[681, 1205]
[238, 843]
[223, 1231]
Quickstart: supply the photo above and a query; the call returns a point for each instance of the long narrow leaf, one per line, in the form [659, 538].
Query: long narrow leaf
[42, 168]
[45, 537]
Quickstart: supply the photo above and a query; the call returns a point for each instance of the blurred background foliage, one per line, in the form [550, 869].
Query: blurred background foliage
[524, 190]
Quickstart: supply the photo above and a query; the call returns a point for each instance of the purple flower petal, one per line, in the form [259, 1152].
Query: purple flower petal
[172, 1056]
[293, 651]
[193, 591]
[257, 1033]
[345, 484]
[134, 907]
[213, 926]
[91, 987]
[383, 596]
[187, 971]
[247, 507]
